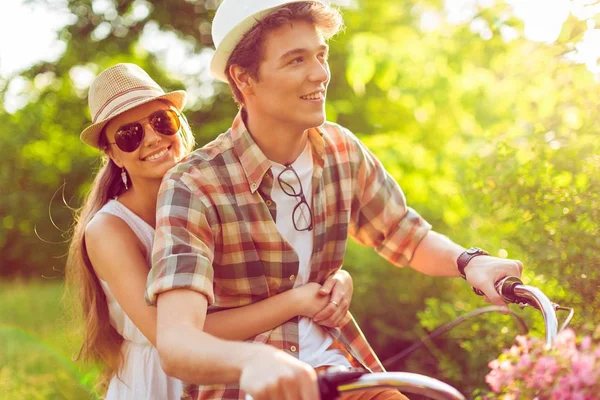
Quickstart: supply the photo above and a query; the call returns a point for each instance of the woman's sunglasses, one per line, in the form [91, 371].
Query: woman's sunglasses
[129, 136]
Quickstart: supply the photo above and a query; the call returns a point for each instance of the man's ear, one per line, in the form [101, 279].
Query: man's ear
[242, 79]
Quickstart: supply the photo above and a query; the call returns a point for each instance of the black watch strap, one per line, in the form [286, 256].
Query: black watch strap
[466, 256]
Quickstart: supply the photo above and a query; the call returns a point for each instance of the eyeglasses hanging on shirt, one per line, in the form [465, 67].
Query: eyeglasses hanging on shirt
[289, 181]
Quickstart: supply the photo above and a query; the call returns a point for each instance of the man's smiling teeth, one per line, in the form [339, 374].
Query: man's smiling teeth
[313, 96]
[156, 155]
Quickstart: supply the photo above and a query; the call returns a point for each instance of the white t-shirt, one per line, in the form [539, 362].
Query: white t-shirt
[314, 340]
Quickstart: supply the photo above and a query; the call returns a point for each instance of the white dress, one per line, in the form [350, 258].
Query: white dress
[141, 375]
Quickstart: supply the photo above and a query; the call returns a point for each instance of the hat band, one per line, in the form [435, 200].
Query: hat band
[123, 99]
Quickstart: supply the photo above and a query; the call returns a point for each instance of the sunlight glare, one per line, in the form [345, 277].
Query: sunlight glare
[34, 44]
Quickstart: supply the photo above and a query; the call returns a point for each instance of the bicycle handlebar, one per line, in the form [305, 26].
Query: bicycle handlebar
[340, 380]
[332, 384]
[512, 290]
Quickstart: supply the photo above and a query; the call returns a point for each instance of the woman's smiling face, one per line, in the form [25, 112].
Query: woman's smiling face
[156, 153]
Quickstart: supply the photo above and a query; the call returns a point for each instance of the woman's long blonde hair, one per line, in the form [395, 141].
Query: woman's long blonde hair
[101, 343]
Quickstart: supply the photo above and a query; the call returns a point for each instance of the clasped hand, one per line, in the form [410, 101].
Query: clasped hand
[326, 304]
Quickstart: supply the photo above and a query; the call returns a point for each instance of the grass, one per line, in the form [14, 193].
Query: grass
[37, 345]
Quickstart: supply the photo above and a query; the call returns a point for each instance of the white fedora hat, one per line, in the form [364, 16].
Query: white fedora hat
[233, 19]
[121, 88]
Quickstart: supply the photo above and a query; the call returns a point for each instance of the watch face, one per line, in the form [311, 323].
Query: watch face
[473, 250]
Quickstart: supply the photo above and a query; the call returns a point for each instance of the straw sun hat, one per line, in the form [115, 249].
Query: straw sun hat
[233, 19]
[121, 88]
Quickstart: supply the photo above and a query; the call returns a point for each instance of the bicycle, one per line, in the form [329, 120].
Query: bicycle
[336, 382]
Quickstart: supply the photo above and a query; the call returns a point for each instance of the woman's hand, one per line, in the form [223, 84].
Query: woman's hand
[310, 299]
[326, 304]
[339, 287]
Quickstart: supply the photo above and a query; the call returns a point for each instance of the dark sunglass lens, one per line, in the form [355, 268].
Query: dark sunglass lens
[129, 137]
[165, 122]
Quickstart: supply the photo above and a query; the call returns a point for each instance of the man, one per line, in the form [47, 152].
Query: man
[269, 205]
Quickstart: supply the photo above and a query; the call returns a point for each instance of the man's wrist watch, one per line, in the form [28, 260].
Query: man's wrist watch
[466, 256]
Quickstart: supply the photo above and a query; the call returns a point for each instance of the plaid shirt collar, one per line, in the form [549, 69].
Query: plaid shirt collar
[254, 162]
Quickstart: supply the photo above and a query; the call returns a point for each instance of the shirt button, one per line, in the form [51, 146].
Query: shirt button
[292, 277]
[269, 202]
[253, 186]
[293, 348]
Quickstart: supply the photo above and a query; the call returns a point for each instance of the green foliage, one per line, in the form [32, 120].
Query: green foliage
[37, 346]
[494, 142]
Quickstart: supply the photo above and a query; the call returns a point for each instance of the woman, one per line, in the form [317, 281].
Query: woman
[142, 132]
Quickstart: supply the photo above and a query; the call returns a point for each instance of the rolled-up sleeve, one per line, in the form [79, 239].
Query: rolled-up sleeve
[183, 251]
[380, 217]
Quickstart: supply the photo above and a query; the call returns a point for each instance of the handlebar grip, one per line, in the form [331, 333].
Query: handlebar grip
[505, 288]
[329, 381]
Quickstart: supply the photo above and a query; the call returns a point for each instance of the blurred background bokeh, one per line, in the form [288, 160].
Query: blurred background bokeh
[485, 111]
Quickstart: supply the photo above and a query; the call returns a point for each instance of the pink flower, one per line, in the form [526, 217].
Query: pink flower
[494, 381]
[570, 371]
[500, 375]
[586, 343]
[566, 342]
[561, 393]
[583, 368]
[514, 351]
[543, 373]
[524, 342]
[524, 363]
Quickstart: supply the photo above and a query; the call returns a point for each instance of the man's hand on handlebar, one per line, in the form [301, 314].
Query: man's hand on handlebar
[483, 272]
[272, 375]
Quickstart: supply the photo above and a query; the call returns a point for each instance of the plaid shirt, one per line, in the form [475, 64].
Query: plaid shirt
[216, 232]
